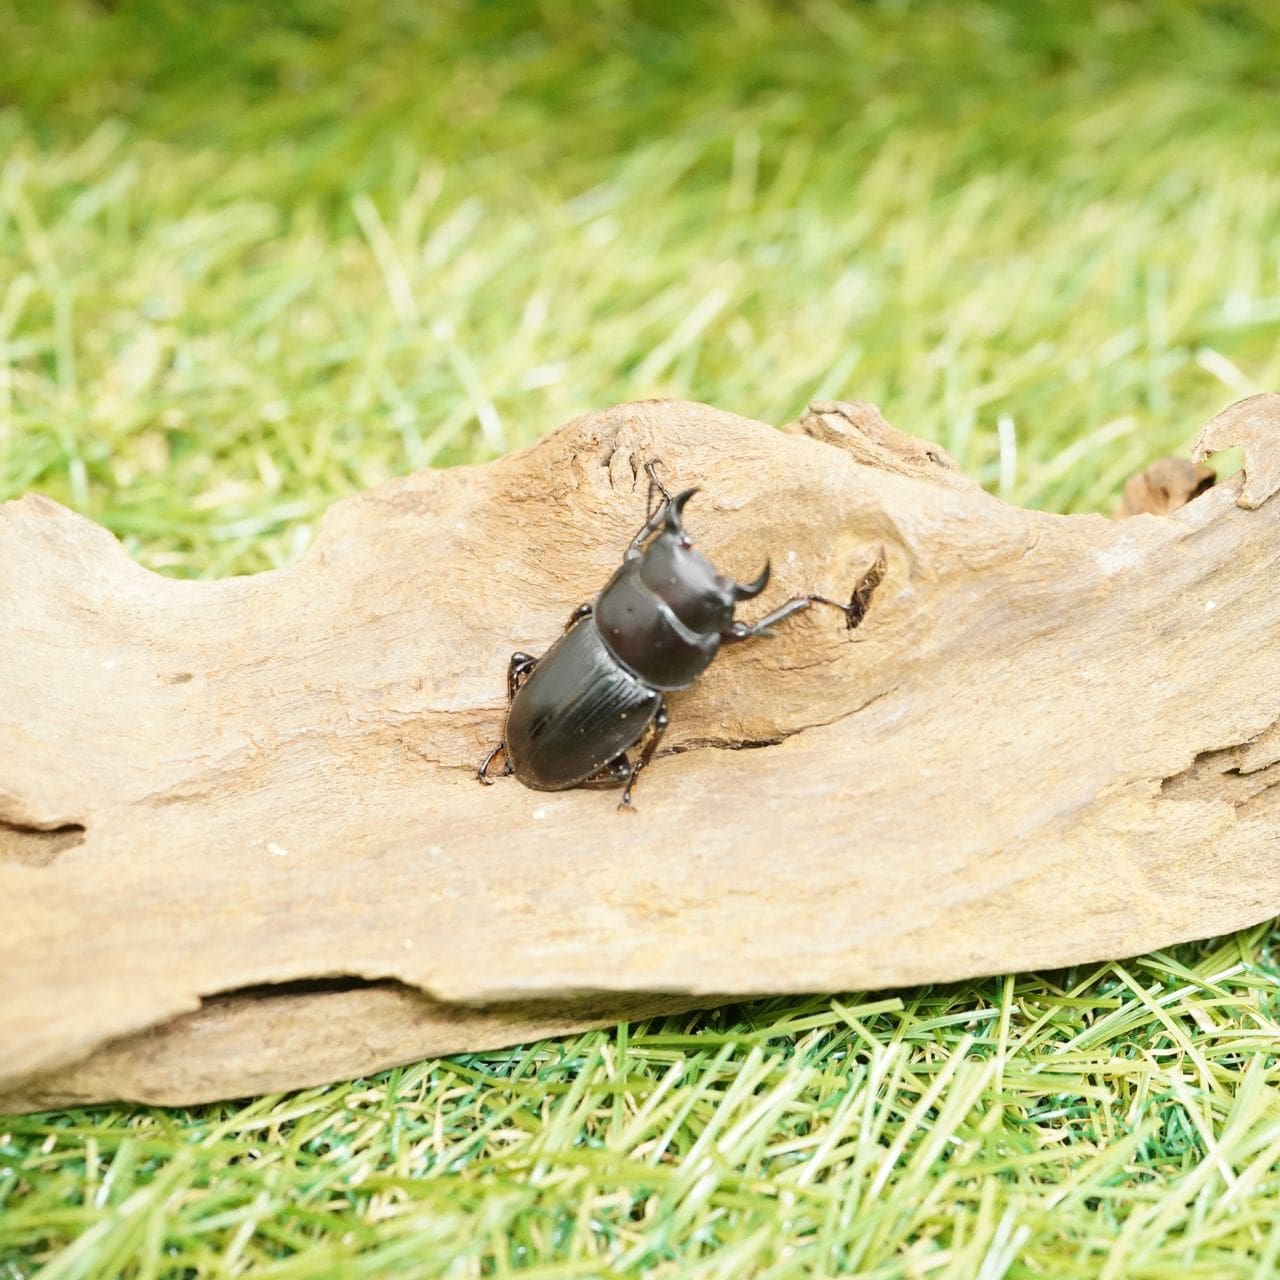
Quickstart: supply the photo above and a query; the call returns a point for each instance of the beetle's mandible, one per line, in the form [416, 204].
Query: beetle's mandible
[600, 690]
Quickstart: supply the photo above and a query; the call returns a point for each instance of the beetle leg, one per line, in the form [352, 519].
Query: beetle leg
[582, 611]
[614, 774]
[651, 470]
[854, 611]
[518, 672]
[483, 771]
[655, 515]
[750, 630]
[656, 729]
[651, 525]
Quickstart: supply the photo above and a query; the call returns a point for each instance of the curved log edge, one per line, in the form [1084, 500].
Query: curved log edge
[1053, 740]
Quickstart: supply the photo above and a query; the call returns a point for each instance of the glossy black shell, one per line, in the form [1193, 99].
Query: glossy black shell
[646, 635]
[578, 709]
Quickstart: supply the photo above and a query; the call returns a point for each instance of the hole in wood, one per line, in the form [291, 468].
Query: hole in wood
[34, 847]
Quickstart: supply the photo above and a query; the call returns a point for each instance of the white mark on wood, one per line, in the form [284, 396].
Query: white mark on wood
[1123, 553]
[276, 850]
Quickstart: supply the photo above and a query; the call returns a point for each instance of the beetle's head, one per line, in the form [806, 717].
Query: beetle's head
[674, 570]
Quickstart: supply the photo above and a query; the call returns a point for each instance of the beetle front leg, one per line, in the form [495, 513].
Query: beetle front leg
[654, 516]
[651, 470]
[854, 611]
[651, 525]
[657, 728]
[797, 604]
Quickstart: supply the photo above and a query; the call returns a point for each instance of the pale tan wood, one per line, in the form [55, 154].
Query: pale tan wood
[266, 1040]
[1052, 740]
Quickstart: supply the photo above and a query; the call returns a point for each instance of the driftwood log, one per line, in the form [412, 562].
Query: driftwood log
[242, 846]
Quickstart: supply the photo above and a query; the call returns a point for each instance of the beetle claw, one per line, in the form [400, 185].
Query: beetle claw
[483, 771]
[749, 590]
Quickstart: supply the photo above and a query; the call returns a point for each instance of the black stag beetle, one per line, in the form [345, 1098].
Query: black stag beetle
[657, 625]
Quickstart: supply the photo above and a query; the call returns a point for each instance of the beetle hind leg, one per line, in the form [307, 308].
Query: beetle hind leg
[518, 671]
[613, 774]
[483, 771]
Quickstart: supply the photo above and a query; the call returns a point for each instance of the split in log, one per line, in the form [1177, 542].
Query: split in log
[1164, 486]
[247, 804]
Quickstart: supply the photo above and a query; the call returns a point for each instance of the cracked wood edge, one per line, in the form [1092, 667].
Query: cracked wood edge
[269, 1040]
[1022, 758]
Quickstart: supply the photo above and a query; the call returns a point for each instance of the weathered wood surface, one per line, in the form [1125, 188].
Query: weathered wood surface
[1054, 739]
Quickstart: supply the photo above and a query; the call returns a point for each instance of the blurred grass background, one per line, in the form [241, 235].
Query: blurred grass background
[253, 258]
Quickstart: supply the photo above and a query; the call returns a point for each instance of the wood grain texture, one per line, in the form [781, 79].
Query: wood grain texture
[268, 1039]
[1053, 739]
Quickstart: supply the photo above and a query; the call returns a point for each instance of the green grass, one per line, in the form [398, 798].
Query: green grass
[248, 266]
